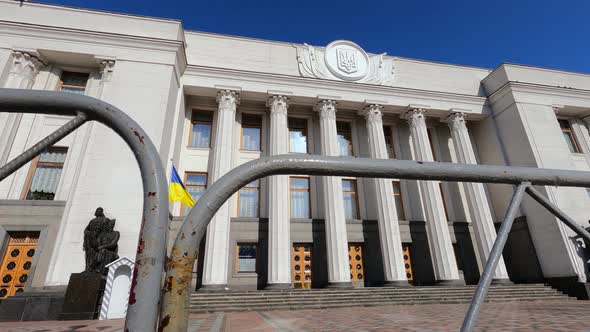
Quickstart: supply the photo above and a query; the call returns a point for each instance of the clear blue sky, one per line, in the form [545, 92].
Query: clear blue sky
[554, 34]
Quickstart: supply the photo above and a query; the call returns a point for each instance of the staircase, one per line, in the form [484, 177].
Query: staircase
[202, 302]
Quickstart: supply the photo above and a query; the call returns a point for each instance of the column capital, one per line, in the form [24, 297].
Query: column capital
[372, 113]
[228, 99]
[25, 64]
[326, 108]
[415, 117]
[278, 104]
[456, 121]
[106, 70]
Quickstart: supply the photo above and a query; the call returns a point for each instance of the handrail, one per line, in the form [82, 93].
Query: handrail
[175, 301]
[142, 314]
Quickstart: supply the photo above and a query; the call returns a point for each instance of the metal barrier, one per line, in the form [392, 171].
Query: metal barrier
[142, 314]
[176, 293]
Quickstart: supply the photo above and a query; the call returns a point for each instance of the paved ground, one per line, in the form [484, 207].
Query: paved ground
[513, 316]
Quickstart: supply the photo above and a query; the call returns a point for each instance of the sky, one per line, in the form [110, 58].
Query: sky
[552, 34]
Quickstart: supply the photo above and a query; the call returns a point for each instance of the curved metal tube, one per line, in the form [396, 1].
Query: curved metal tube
[143, 308]
[175, 301]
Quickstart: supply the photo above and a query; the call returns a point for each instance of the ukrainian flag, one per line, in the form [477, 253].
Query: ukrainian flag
[178, 192]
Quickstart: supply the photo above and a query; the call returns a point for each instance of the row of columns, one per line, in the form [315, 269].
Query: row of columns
[279, 251]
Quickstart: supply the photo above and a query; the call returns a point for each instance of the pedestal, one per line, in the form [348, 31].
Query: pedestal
[83, 296]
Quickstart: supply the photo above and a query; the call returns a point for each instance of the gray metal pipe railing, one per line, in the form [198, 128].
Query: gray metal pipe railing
[175, 301]
[142, 314]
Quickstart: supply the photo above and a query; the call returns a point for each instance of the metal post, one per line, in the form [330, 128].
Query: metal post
[142, 314]
[43, 144]
[546, 203]
[492, 262]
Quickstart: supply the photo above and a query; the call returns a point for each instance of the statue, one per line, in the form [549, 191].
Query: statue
[100, 242]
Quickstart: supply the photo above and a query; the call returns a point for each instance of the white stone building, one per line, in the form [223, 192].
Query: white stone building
[211, 102]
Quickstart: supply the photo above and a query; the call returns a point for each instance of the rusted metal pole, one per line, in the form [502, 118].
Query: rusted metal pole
[43, 144]
[175, 301]
[142, 314]
[488, 272]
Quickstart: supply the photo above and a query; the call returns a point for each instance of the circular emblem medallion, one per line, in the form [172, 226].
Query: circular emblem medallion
[346, 60]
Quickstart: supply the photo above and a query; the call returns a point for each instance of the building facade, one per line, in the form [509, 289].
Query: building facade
[212, 102]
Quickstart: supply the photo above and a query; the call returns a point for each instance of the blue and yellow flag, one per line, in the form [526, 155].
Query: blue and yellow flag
[178, 192]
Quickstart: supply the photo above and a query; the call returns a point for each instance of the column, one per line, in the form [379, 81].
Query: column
[279, 225]
[477, 201]
[220, 159]
[335, 224]
[439, 238]
[389, 236]
[23, 71]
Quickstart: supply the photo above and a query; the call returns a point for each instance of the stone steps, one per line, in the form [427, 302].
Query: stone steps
[226, 301]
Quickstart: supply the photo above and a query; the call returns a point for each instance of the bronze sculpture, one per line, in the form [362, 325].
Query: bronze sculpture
[100, 242]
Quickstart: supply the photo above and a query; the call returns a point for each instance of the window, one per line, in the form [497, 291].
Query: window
[297, 135]
[200, 135]
[195, 184]
[300, 207]
[344, 138]
[73, 82]
[350, 199]
[568, 134]
[248, 198]
[251, 132]
[389, 142]
[397, 197]
[246, 257]
[44, 175]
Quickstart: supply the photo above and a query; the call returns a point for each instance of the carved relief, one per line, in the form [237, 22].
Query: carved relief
[456, 121]
[278, 105]
[344, 61]
[327, 109]
[373, 113]
[228, 100]
[106, 70]
[415, 117]
[25, 64]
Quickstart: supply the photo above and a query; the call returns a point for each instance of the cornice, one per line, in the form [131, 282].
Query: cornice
[541, 89]
[344, 87]
[11, 29]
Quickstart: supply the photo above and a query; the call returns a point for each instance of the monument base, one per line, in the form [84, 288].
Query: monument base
[83, 296]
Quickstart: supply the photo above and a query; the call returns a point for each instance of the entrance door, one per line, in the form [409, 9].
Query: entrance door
[301, 263]
[357, 268]
[16, 264]
[406, 247]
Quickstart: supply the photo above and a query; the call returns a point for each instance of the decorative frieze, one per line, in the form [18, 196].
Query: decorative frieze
[344, 60]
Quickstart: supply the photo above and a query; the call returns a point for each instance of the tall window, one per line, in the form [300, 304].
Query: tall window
[344, 138]
[297, 135]
[300, 205]
[248, 198]
[389, 142]
[73, 82]
[568, 134]
[246, 257]
[195, 184]
[45, 174]
[251, 132]
[397, 197]
[200, 135]
[351, 210]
